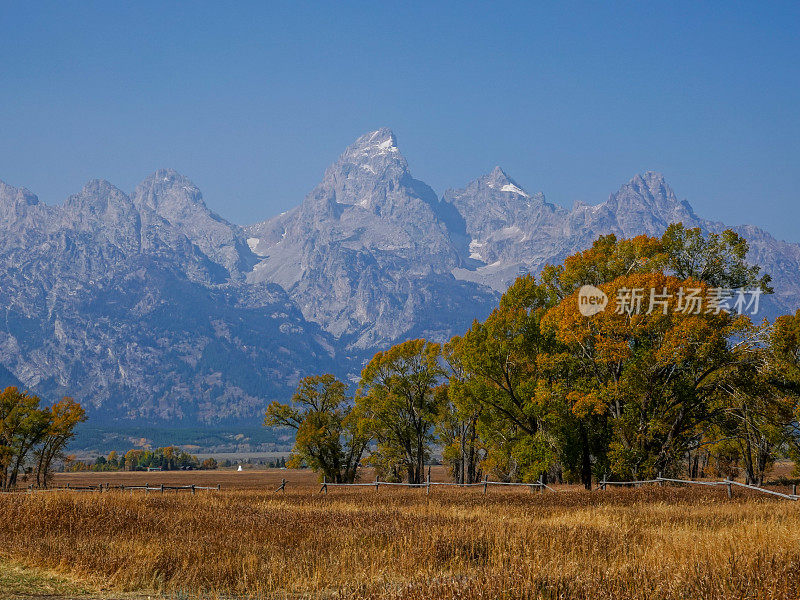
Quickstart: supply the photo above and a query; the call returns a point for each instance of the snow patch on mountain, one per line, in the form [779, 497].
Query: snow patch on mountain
[510, 187]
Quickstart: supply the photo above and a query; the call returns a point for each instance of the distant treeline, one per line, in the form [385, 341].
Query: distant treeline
[168, 458]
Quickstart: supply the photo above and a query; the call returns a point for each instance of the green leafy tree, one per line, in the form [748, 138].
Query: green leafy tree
[112, 460]
[398, 401]
[457, 420]
[591, 424]
[329, 437]
[22, 426]
[64, 417]
[718, 259]
[765, 406]
[499, 361]
[132, 459]
[656, 375]
[607, 259]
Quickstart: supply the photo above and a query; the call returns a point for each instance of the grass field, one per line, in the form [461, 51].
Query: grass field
[249, 542]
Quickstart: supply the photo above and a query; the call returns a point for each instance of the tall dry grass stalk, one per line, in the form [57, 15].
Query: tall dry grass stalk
[624, 544]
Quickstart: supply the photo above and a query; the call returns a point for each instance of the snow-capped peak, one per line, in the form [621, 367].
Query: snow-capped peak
[373, 152]
[498, 179]
[383, 141]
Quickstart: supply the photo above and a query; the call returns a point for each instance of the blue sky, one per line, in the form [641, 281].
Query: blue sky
[252, 101]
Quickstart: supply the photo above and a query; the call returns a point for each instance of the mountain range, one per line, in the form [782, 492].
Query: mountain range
[150, 308]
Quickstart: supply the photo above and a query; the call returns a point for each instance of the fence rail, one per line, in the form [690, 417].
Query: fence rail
[108, 487]
[541, 486]
[729, 483]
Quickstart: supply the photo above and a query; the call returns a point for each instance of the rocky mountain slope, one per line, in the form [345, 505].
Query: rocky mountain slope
[150, 307]
[513, 232]
[368, 255]
[141, 317]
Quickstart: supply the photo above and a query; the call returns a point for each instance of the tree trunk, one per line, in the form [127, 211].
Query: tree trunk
[471, 463]
[586, 459]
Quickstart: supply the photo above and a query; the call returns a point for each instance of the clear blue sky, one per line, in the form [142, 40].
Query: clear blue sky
[253, 101]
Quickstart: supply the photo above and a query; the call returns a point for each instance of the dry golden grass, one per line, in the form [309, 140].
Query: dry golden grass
[646, 543]
[249, 479]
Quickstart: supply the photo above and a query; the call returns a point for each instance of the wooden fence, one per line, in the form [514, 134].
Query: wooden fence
[132, 488]
[540, 486]
[536, 486]
[728, 483]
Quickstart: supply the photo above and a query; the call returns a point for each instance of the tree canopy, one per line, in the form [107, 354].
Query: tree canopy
[27, 429]
[329, 438]
[665, 370]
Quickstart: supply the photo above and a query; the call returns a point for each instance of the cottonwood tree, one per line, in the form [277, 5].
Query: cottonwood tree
[763, 404]
[398, 402]
[22, 426]
[25, 428]
[607, 259]
[718, 259]
[499, 370]
[655, 373]
[538, 388]
[330, 438]
[457, 420]
[713, 260]
[64, 416]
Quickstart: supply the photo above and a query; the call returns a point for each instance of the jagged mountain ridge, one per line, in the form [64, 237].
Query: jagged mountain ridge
[369, 253]
[152, 307]
[109, 302]
[330, 253]
[644, 205]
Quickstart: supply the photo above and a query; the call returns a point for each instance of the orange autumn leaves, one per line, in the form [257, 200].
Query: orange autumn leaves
[609, 335]
[611, 340]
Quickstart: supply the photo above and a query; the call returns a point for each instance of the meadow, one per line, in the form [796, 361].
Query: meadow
[249, 542]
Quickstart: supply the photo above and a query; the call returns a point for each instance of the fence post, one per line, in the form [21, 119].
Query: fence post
[603, 483]
[162, 489]
[324, 488]
[541, 485]
[794, 489]
[428, 485]
[218, 487]
[660, 483]
[192, 489]
[376, 483]
[730, 490]
[485, 483]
